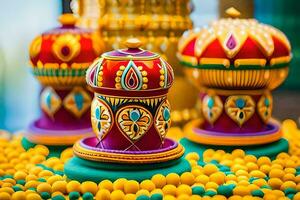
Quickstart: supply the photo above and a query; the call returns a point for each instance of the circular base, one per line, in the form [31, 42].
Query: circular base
[54, 151]
[194, 132]
[270, 150]
[54, 137]
[84, 170]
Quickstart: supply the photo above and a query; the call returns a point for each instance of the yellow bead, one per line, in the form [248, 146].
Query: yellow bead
[103, 194]
[33, 196]
[270, 196]
[265, 168]
[260, 182]
[169, 190]
[60, 186]
[89, 186]
[9, 190]
[143, 192]
[187, 178]
[54, 178]
[297, 196]
[37, 159]
[290, 170]
[169, 197]
[276, 173]
[264, 160]
[210, 169]
[258, 174]
[119, 184]
[217, 177]
[31, 184]
[195, 197]
[288, 184]
[241, 172]
[230, 177]
[275, 183]
[250, 158]
[238, 153]
[173, 179]
[211, 185]
[251, 166]
[159, 180]
[45, 173]
[193, 156]
[117, 195]
[184, 189]
[202, 179]
[183, 197]
[219, 197]
[278, 193]
[56, 193]
[159, 191]
[44, 187]
[288, 177]
[131, 187]
[73, 186]
[4, 196]
[148, 185]
[129, 197]
[31, 177]
[20, 195]
[106, 184]
[241, 190]
[20, 175]
[41, 149]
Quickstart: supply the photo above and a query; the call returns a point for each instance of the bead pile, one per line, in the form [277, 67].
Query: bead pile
[215, 175]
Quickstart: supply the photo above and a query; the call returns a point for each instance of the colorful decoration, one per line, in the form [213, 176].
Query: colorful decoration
[60, 58]
[159, 25]
[130, 117]
[212, 108]
[235, 63]
[240, 108]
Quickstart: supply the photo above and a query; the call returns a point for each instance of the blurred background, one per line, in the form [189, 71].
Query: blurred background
[22, 20]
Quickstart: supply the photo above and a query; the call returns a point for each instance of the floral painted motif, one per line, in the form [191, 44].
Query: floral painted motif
[240, 108]
[66, 47]
[134, 121]
[77, 101]
[264, 107]
[101, 116]
[212, 108]
[163, 119]
[50, 101]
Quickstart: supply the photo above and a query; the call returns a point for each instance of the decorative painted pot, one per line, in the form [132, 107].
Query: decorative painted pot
[236, 63]
[59, 59]
[130, 110]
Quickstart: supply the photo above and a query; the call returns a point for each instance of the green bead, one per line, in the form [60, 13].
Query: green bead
[45, 195]
[257, 193]
[58, 197]
[210, 193]
[74, 195]
[41, 180]
[87, 196]
[290, 196]
[33, 189]
[198, 190]
[290, 191]
[142, 197]
[266, 186]
[156, 196]
[16, 188]
[21, 182]
[225, 190]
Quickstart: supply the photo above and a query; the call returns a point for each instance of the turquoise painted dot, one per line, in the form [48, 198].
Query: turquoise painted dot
[48, 100]
[210, 103]
[198, 190]
[45, 195]
[21, 182]
[225, 190]
[41, 180]
[87, 196]
[240, 103]
[166, 114]
[267, 102]
[135, 115]
[97, 113]
[210, 193]
[290, 191]
[58, 197]
[257, 193]
[78, 100]
[142, 197]
[16, 188]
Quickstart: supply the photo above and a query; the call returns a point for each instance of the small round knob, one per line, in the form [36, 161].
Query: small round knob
[67, 19]
[232, 12]
[133, 43]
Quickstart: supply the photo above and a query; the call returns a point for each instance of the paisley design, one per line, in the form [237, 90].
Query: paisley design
[240, 108]
[134, 121]
[265, 106]
[77, 101]
[131, 78]
[66, 47]
[101, 116]
[163, 119]
[212, 108]
[50, 101]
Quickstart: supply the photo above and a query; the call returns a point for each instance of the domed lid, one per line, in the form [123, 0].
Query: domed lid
[234, 43]
[66, 46]
[131, 69]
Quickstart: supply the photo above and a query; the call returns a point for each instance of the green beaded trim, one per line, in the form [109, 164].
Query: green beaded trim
[59, 72]
[232, 67]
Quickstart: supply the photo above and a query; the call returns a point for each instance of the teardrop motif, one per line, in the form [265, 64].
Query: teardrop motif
[131, 78]
[231, 42]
